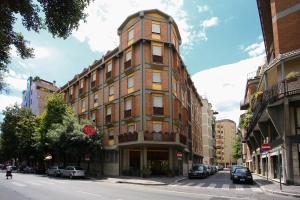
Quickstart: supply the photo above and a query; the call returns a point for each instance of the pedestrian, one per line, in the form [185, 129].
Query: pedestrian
[9, 172]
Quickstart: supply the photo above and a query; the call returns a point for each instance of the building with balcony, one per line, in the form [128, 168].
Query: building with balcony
[34, 97]
[274, 106]
[208, 133]
[225, 138]
[141, 96]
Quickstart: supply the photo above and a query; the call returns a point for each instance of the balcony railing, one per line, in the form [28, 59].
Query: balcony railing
[127, 113]
[128, 137]
[127, 64]
[157, 59]
[159, 136]
[287, 87]
[158, 111]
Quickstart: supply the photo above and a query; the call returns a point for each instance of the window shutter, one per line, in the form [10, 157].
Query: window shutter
[158, 101]
[157, 50]
[128, 104]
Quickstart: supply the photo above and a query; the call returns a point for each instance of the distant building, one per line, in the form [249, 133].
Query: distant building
[225, 138]
[34, 97]
[208, 133]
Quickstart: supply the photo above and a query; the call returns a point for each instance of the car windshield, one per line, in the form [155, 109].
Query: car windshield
[78, 168]
[241, 170]
[197, 167]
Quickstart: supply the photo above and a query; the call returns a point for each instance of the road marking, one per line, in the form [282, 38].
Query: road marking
[212, 185]
[199, 185]
[225, 187]
[92, 194]
[18, 184]
[34, 183]
[255, 189]
[239, 187]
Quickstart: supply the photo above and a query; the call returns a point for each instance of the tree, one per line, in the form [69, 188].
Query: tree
[58, 17]
[237, 147]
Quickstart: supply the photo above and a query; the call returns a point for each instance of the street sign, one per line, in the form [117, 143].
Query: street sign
[265, 147]
[179, 154]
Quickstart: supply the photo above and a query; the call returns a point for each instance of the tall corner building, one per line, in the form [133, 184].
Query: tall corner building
[142, 98]
[34, 97]
[273, 95]
[225, 139]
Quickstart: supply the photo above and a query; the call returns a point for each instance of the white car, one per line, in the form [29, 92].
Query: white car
[54, 171]
[73, 171]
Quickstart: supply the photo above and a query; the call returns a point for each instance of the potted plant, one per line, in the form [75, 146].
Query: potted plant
[292, 76]
[258, 95]
[146, 171]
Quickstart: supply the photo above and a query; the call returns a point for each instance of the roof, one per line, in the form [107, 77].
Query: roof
[142, 12]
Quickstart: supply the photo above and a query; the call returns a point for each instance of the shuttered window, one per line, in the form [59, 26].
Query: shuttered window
[158, 101]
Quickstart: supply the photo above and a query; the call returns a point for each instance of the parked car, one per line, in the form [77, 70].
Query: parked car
[209, 169]
[73, 171]
[214, 169]
[54, 171]
[242, 175]
[198, 171]
[232, 169]
[220, 167]
[28, 170]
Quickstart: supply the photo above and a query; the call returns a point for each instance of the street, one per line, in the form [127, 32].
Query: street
[37, 187]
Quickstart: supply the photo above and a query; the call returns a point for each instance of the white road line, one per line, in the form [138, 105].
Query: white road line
[225, 187]
[212, 185]
[18, 184]
[92, 194]
[239, 187]
[199, 185]
[255, 189]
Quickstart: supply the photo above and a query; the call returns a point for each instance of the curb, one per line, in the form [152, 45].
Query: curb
[137, 183]
[277, 192]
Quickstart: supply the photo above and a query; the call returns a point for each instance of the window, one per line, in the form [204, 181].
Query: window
[130, 36]
[109, 67]
[71, 90]
[111, 90]
[94, 76]
[83, 106]
[156, 77]
[111, 134]
[81, 83]
[157, 126]
[95, 99]
[156, 27]
[108, 110]
[128, 104]
[158, 101]
[130, 81]
[128, 56]
[130, 128]
[93, 117]
[156, 50]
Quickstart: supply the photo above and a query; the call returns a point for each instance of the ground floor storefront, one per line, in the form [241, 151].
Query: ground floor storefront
[134, 161]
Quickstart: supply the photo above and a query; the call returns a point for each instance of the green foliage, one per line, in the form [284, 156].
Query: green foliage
[246, 119]
[59, 17]
[292, 75]
[237, 148]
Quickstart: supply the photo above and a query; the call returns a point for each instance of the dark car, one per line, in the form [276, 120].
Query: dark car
[242, 175]
[198, 171]
[232, 169]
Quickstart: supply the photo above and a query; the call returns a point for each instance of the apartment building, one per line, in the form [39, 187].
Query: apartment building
[208, 133]
[225, 138]
[34, 97]
[142, 98]
[272, 96]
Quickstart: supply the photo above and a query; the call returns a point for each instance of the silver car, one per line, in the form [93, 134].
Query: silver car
[54, 171]
[73, 171]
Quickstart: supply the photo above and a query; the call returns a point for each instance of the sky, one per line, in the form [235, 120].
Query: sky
[221, 43]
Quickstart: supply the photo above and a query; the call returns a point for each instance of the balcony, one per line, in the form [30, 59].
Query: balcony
[159, 136]
[157, 59]
[286, 88]
[158, 111]
[108, 119]
[128, 137]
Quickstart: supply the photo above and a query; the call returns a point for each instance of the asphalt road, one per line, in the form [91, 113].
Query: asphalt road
[216, 187]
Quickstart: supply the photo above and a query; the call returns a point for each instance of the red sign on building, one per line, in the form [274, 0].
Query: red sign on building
[265, 147]
[89, 130]
[179, 154]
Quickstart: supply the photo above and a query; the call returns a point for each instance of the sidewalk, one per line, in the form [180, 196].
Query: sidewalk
[143, 181]
[274, 187]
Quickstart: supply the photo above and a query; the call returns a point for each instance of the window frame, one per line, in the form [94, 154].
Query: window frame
[111, 90]
[161, 98]
[153, 77]
[130, 77]
[157, 24]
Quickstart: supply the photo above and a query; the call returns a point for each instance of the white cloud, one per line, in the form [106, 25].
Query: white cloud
[6, 100]
[255, 49]
[213, 21]
[202, 8]
[42, 52]
[105, 16]
[224, 86]
[16, 81]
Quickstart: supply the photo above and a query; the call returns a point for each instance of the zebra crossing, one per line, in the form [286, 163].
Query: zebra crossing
[221, 186]
[37, 183]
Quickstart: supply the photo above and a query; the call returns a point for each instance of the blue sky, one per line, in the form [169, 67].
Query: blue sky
[215, 33]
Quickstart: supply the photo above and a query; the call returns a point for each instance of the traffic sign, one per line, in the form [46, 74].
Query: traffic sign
[179, 154]
[265, 147]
